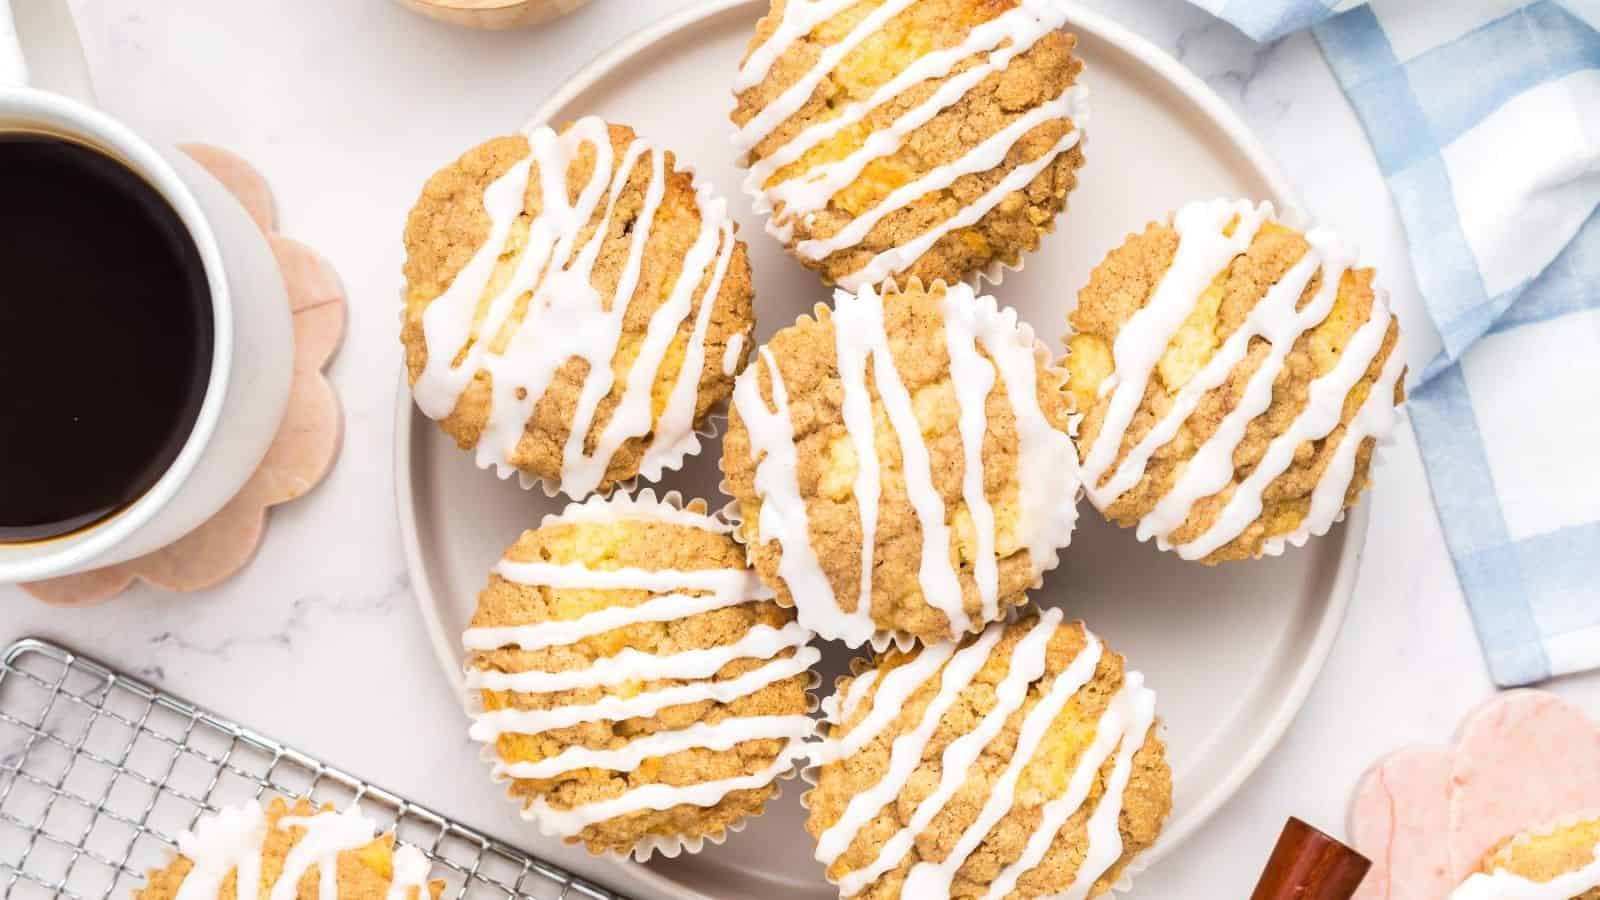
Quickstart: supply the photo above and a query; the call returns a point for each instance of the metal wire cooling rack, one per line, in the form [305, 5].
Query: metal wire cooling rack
[100, 772]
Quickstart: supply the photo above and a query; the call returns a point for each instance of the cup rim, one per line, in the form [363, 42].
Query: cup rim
[38, 560]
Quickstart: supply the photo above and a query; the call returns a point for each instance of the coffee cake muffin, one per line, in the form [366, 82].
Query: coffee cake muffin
[891, 139]
[286, 850]
[576, 305]
[902, 464]
[1236, 376]
[636, 684]
[1023, 762]
[1560, 863]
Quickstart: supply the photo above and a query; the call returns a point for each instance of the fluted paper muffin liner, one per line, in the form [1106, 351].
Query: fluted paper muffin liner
[673, 508]
[988, 306]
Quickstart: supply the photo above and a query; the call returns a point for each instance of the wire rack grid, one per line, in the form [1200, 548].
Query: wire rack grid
[100, 772]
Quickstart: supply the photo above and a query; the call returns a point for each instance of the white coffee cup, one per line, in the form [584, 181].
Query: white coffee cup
[47, 90]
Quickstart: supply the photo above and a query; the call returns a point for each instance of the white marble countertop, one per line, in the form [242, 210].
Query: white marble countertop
[319, 642]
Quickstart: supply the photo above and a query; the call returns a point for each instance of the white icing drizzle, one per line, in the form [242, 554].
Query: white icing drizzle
[760, 642]
[675, 435]
[905, 752]
[1013, 32]
[677, 594]
[1048, 476]
[795, 95]
[724, 735]
[1027, 664]
[222, 843]
[1376, 418]
[723, 582]
[983, 341]
[894, 690]
[783, 510]
[974, 377]
[859, 330]
[857, 692]
[566, 318]
[987, 155]
[615, 709]
[1204, 252]
[1504, 885]
[328, 834]
[1274, 318]
[930, 879]
[1127, 719]
[1000, 40]
[568, 822]
[410, 874]
[730, 356]
[231, 841]
[569, 631]
[856, 409]
[799, 17]
[1276, 314]
[1324, 407]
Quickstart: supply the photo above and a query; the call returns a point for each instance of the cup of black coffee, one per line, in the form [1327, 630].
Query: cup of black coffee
[145, 341]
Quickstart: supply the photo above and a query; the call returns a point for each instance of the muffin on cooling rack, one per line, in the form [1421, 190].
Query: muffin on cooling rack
[901, 464]
[1558, 863]
[1023, 762]
[1236, 376]
[576, 304]
[293, 851]
[890, 139]
[637, 686]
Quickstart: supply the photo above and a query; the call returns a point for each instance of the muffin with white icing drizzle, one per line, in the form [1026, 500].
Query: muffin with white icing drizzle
[309, 852]
[902, 464]
[1023, 762]
[576, 306]
[637, 686]
[1236, 376]
[891, 139]
[1556, 863]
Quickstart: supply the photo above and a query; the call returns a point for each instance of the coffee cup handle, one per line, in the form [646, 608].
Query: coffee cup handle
[39, 48]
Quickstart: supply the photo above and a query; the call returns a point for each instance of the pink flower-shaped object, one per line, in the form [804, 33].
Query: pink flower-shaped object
[299, 457]
[1426, 816]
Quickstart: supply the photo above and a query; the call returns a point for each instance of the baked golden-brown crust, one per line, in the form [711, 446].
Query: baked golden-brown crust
[449, 224]
[364, 874]
[807, 357]
[1545, 854]
[1040, 74]
[628, 543]
[1123, 284]
[1145, 803]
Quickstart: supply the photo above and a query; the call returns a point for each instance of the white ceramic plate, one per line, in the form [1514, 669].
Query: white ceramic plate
[1232, 651]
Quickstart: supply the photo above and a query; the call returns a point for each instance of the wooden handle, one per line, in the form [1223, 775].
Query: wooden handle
[1309, 865]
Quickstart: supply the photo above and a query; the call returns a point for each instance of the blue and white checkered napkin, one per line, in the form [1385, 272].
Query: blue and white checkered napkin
[1485, 117]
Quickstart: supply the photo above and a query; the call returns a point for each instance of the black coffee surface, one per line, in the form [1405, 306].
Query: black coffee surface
[105, 336]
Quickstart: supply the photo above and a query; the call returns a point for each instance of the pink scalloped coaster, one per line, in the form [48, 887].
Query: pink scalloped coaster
[1427, 815]
[300, 456]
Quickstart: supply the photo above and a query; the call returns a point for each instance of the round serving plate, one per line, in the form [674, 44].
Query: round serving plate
[1232, 651]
